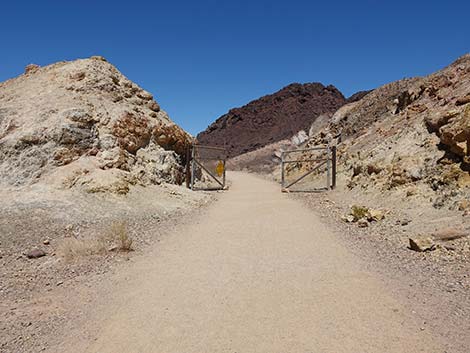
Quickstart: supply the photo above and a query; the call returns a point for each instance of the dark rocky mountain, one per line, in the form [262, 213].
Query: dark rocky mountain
[272, 118]
[358, 96]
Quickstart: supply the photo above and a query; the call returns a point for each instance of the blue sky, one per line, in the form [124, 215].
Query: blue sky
[201, 58]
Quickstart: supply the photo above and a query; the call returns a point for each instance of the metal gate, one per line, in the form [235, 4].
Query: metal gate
[206, 167]
[308, 160]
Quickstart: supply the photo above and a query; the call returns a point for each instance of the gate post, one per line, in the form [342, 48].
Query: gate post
[223, 182]
[282, 169]
[333, 169]
[193, 166]
[188, 166]
[328, 160]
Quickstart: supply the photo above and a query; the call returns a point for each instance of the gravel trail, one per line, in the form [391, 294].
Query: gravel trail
[255, 272]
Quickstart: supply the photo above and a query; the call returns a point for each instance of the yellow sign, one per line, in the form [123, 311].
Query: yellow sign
[220, 168]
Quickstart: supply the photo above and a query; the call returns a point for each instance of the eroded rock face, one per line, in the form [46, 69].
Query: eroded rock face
[410, 136]
[132, 132]
[61, 122]
[170, 137]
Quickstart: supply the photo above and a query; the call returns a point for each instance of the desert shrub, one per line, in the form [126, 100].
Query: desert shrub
[118, 235]
[359, 212]
[73, 248]
[115, 238]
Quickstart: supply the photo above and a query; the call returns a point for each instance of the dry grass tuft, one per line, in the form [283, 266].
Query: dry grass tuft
[118, 235]
[115, 238]
[73, 248]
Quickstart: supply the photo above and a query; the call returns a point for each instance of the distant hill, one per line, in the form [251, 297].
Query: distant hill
[358, 96]
[272, 118]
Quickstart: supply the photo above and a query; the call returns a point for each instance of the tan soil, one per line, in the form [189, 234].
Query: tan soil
[35, 294]
[255, 272]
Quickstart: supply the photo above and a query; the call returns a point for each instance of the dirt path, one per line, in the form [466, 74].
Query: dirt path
[257, 272]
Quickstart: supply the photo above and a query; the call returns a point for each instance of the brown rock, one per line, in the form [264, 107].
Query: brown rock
[375, 215]
[93, 151]
[435, 121]
[348, 218]
[464, 205]
[113, 248]
[421, 244]
[456, 134]
[31, 68]
[77, 76]
[98, 57]
[373, 169]
[171, 137]
[362, 223]
[441, 81]
[145, 95]
[404, 222]
[417, 108]
[152, 105]
[35, 253]
[132, 132]
[463, 100]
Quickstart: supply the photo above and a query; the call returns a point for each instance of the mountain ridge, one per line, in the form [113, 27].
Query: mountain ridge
[272, 117]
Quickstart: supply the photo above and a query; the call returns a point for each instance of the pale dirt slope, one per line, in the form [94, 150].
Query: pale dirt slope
[257, 272]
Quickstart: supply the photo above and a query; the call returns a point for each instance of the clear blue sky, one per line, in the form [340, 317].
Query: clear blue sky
[201, 58]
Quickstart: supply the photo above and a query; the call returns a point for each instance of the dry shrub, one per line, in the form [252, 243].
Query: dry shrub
[73, 248]
[359, 212]
[118, 235]
[115, 238]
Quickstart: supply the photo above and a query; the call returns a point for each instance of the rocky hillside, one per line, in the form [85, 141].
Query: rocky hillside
[403, 183]
[411, 136]
[272, 118]
[82, 124]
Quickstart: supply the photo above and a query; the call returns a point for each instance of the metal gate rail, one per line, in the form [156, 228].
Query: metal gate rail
[329, 160]
[196, 160]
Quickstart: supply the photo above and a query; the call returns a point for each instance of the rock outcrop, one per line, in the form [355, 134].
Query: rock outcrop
[272, 118]
[83, 124]
[411, 135]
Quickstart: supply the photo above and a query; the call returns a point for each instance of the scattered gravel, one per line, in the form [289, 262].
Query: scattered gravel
[437, 283]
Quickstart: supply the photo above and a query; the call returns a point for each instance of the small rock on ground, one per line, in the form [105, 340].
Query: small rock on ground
[421, 244]
[35, 253]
